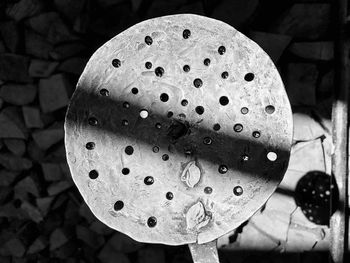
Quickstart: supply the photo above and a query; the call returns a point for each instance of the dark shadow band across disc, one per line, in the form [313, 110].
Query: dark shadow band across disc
[178, 131]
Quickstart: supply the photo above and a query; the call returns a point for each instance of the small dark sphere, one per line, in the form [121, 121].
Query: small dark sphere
[221, 50]
[207, 141]
[186, 68]
[256, 134]
[129, 150]
[249, 77]
[93, 121]
[237, 190]
[170, 114]
[169, 195]
[216, 127]
[90, 145]
[186, 33]
[126, 105]
[223, 169]
[148, 40]
[93, 174]
[125, 171]
[104, 92]
[148, 65]
[224, 100]
[238, 127]
[224, 75]
[198, 83]
[159, 71]
[116, 63]
[208, 190]
[270, 109]
[152, 221]
[199, 110]
[155, 149]
[149, 180]
[164, 97]
[118, 205]
[165, 157]
[134, 91]
[206, 61]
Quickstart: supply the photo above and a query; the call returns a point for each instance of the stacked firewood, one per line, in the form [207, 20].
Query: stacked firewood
[44, 46]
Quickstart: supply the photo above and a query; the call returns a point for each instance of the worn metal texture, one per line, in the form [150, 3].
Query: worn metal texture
[178, 131]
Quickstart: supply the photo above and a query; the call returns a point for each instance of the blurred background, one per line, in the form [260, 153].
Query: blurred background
[44, 46]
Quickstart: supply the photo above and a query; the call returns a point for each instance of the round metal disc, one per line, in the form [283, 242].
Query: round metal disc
[178, 131]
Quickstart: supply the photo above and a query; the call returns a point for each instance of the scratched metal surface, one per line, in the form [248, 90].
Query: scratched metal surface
[208, 199]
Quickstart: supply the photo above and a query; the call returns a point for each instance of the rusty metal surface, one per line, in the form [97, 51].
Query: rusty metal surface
[170, 148]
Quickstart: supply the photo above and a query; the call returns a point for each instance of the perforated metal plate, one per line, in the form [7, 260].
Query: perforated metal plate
[178, 131]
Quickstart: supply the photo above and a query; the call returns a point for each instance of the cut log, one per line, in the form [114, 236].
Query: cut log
[36, 45]
[85, 212]
[9, 129]
[122, 243]
[59, 187]
[7, 177]
[65, 251]
[58, 238]
[70, 8]
[235, 13]
[44, 204]
[15, 114]
[38, 245]
[32, 212]
[89, 237]
[15, 163]
[73, 65]
[52, 27]
[13, 247]
[16, 146]
[308, 21]
[48, 137]
[67, 50]
[106, 3]
[313, 50]
[151, 254]
[18, 94]
[27, 185]
[24, 8]
[2, 48]
[52, 171]
[53, 93]
[301, 84]
[14, 68]
[32, 117]
[100, 228]
[273, 44]
[196, 7]
[109, 255]
[42, 68]
[34, 152]
[10, 34]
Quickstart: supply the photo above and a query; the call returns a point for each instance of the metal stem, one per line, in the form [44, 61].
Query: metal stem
[204, 253]
[340, 169]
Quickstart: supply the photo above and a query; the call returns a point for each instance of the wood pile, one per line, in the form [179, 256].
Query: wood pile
[44, 46]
